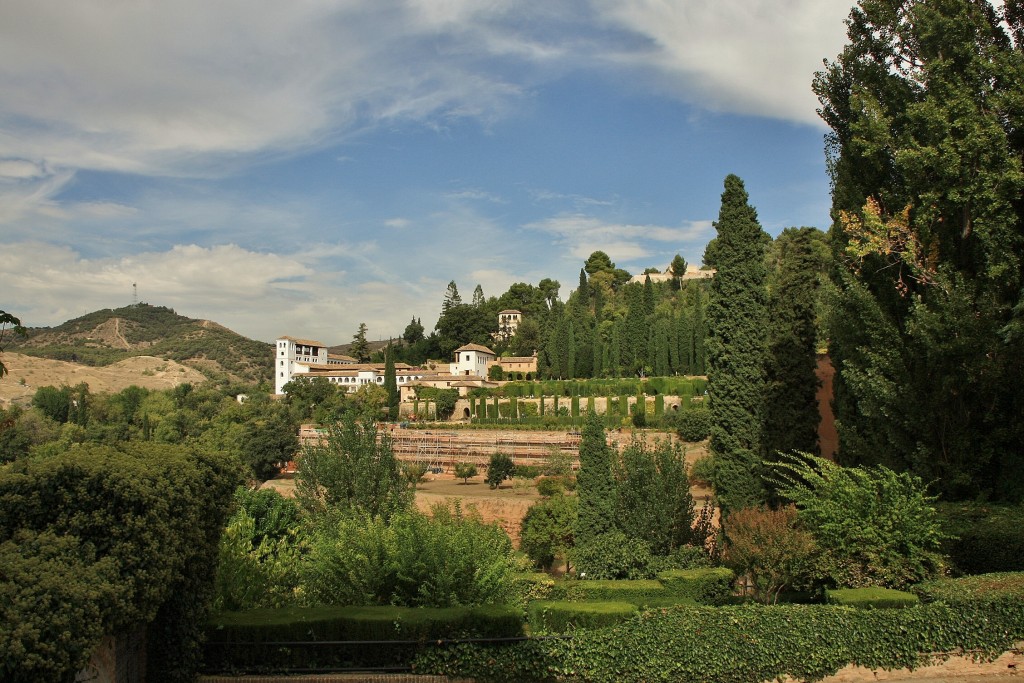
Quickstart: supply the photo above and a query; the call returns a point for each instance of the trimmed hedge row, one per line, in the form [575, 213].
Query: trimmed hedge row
[871, 598]
[557, 616]
[364, 623]
[983, 538]
[743, 643]
[235, 639]
[711, 586]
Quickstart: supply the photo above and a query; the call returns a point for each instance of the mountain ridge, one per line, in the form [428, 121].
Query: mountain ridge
[106, 336]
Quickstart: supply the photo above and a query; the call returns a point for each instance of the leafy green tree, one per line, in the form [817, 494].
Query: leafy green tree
[927, 168]
[737, 318]
[114, 537]
[678, 270]
[465, 470]
[499, 468]
[546, 534]
[652, 496]
[351, 471]
[872, 526]
[413, 332]
[54, 403]
[595, 485]
[791, 413]
[267, 443]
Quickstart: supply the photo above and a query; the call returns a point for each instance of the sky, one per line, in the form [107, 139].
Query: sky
[298, 168]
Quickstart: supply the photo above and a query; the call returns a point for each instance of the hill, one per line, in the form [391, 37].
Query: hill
[105, 337]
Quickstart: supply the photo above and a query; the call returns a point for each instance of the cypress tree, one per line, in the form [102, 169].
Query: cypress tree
[595, 487]
[391, 383]
[737, 320]
[791, 414]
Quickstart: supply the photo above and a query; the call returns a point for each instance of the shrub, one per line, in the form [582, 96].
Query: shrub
[447, 559]
[558, 617]
[234, 638]
[637, 591]
[693, 425]
[550, 486]
[872, 526]
[744, 643]
[613, 555]
[871, 598]
[979, 588]
[768, 548]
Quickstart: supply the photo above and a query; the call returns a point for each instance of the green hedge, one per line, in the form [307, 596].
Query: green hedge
[979, 588]
[743, 643]
[559, 616]
[637, 592]
[871, 598]
[231, 635]
[982, 539]
[711, 586]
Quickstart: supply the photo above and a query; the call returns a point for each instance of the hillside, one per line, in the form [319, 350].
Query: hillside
[108, 336]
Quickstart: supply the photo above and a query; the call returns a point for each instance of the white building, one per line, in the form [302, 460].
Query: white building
[472, 359]
[295, 356]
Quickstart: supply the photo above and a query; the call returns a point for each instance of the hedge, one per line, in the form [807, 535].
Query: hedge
[710, 586]
[637, 592]
[744, 643]
[982, 539]
[559, 616]
[980, 588]
[871, 598]
[231, 635]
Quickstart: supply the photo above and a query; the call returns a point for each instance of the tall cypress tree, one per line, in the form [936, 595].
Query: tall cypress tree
[595, 487]
[791, 414]
[737, 320]
[391, 383]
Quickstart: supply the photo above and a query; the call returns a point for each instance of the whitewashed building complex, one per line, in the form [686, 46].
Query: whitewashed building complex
[308, 359]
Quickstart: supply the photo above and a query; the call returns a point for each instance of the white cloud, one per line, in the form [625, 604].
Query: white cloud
[398, 223]
[748, 56]
[581, 235]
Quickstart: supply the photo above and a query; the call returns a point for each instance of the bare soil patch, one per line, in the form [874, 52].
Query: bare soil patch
[147, 372]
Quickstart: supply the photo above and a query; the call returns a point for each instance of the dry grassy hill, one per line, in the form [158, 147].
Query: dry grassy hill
[106, 339]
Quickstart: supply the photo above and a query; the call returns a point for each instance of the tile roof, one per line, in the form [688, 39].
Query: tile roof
[475, 347]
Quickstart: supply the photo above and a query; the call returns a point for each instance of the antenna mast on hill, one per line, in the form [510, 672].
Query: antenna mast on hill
[135, 294]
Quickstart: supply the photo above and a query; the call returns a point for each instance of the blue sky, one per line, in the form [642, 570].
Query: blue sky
[302, 167]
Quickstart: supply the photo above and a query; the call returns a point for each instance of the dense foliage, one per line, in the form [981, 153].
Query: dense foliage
[448, 558]
[871, 526]
[111, 537]
[926, 164]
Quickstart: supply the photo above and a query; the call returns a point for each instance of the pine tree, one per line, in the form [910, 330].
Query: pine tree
[737, 319]
[478, 296]
[360, 348]
[451, 298]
